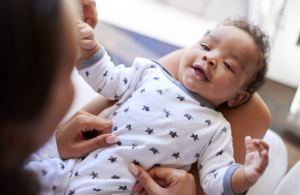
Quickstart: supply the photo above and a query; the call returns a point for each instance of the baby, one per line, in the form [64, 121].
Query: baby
[160, 121]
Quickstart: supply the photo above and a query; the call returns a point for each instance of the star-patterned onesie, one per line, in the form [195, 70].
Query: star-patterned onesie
[157, 121]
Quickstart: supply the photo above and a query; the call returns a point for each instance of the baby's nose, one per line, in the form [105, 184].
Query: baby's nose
[210, 60]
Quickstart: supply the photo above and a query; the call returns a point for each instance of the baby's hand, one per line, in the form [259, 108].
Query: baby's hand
[257, 158]
[87, 40]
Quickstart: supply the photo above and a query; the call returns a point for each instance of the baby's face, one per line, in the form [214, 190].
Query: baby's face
[218, 66]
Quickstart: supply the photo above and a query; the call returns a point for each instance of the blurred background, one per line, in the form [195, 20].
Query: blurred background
[154, 28]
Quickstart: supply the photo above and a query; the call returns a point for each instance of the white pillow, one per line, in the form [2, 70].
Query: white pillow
[290, 184]
[276, 169]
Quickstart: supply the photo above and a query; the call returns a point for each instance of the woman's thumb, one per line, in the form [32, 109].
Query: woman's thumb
[100, 141]
[145, 180]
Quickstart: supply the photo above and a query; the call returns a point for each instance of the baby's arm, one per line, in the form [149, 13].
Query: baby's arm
[98, 70]
[255, 164]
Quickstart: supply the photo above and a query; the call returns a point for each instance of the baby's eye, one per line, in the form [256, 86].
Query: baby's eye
[228, 66]
[205, 47]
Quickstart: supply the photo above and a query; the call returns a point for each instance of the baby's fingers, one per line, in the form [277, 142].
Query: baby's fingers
[263, 160]
[86, 33]
[249, 144]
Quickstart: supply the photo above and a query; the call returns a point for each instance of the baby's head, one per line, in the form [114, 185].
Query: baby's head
[228, 64]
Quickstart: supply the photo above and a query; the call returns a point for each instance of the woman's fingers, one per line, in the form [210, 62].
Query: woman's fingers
[100, 141]
[145, 180]
[80, 134]
[90, 12]
[86, 122]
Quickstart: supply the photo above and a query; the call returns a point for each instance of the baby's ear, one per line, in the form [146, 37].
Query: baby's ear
[239, 98]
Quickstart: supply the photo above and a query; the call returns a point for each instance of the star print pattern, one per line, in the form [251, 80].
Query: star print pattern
[44, 172]
[134, 146]
[94, 175]
[62, 166]
[87, 73]
[113, 159]
[54, 187]
[173, 134]
[123, 188]
[116, 128]
[143, 90]
[200, 167]
[220, 153]
[125, 81]
[167, 112]
[154, 150]
[189, 117]
[95, 156]
[149, 131]
[97, 190]
[146, 108]
[72, 192]
[99, 90]
[119, 143]
[115, 113]
[105, 74]
[195, 137]
[76, 174]
[197, 155]
[159, 92]
[136, 163]
[126, 110]
[224, 130]
[208, 121]
[156, 78]
[181, 98]
[115, 177]
[118, 104]
[128, 126]
[176, 155]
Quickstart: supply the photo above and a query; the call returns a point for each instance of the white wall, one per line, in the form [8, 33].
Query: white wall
[285, 56]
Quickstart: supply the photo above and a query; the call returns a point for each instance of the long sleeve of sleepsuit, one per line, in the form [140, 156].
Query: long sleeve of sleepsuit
[107, 79]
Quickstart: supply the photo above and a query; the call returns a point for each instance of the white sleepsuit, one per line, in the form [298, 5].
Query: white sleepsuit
[157, 121]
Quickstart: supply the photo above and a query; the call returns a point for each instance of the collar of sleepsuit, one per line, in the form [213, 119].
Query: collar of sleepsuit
[203, 102]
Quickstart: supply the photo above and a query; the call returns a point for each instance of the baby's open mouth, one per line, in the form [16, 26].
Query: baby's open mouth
[200, 73]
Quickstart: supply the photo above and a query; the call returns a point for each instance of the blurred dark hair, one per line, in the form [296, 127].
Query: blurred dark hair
[29, 55]
[262, 41]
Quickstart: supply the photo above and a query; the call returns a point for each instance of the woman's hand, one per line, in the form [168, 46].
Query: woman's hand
[73, 135]
[90, 12]
[163, 180]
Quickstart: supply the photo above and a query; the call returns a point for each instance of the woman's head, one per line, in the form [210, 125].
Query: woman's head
[37, 54]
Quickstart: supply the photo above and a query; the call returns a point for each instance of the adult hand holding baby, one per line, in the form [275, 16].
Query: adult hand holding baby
[70, 138]
[163, 180]
[90, 12]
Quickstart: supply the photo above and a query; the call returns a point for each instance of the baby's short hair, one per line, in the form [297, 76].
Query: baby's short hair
[262, 41]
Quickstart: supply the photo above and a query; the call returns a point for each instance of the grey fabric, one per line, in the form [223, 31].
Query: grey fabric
[227, 179]
[82, 64]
